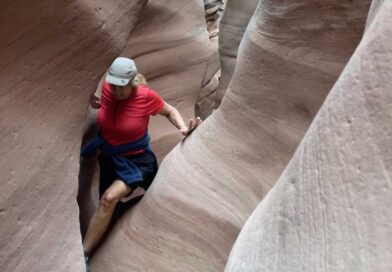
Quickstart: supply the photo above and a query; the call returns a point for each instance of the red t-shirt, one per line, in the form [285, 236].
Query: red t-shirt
[124, 121]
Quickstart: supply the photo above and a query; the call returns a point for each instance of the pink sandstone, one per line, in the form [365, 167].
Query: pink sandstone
[51, 56]
[232, 28]
[330, 209]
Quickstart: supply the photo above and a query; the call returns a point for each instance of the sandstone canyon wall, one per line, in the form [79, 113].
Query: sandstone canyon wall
[232, 27]
[374, 8]
[330, 209]
[52, 54]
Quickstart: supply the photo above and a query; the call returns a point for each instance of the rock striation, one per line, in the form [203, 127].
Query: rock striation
[289, 116]
[233, 25]
[213, 10]
[52, 55]
[330, 209]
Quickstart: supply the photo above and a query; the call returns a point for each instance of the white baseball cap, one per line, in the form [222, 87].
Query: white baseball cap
[121, 71]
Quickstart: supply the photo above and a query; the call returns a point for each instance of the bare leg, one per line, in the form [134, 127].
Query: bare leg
[101, 218]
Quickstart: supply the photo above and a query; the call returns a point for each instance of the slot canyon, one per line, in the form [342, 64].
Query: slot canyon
[290, 170]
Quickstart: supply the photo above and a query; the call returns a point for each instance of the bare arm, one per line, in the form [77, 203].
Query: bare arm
[95, 98]
[176, 119]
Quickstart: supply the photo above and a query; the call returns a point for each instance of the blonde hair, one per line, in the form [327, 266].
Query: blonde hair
[139, 80]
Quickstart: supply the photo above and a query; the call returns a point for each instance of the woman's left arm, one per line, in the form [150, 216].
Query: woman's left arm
[176, 119]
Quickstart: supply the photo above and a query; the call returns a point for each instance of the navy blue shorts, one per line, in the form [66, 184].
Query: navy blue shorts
[146, 162]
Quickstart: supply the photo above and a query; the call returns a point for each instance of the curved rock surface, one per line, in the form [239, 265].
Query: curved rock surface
[210, 183]
[52, 54]
[374, 8]
[232, 28]
[213, 10]
[330, 209]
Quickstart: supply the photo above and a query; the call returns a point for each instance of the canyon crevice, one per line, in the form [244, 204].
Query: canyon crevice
[290, 171]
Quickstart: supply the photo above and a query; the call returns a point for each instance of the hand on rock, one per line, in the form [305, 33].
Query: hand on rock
[193, 124]
[95, 102]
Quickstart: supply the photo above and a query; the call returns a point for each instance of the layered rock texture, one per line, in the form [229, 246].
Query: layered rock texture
[52, 54]
[233, 24]
[213, 10]
[331, 160]
[330, 209]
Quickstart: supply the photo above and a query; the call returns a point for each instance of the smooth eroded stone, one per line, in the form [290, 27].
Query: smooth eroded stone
[51, 55]
[231, 30]
[330, 209]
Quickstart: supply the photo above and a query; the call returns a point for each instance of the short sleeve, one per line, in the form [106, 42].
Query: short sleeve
[154, 103]
[106, 96]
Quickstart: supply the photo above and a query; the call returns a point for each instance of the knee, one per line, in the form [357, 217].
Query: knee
[109, 201]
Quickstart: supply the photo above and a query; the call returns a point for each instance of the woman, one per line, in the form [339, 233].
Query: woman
[126, 161]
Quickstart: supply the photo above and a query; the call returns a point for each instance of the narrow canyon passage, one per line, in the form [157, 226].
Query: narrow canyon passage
[164, 136]
[290, 171]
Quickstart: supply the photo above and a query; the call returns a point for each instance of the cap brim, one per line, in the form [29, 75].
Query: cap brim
[117, 81]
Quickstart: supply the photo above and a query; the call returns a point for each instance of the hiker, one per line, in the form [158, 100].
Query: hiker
[126, 160]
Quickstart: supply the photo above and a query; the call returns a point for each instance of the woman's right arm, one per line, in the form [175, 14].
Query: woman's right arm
[95, 98]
